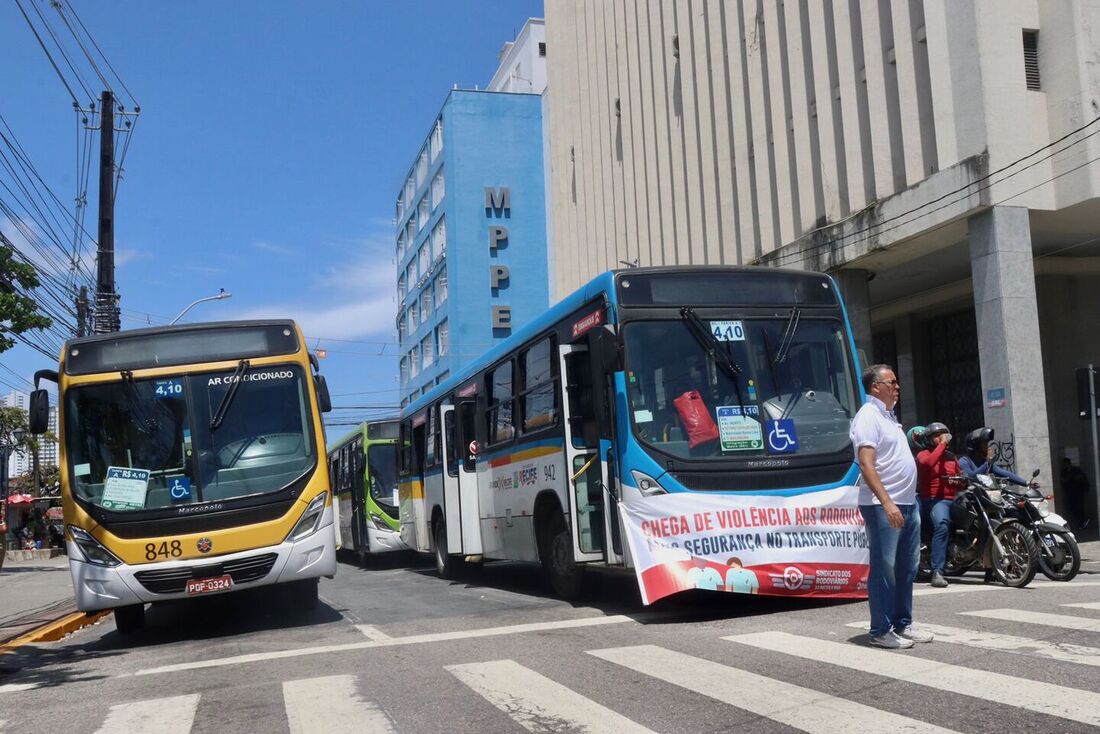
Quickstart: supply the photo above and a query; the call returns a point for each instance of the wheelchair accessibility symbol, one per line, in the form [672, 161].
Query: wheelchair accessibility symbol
[180, 489]
[782, 437]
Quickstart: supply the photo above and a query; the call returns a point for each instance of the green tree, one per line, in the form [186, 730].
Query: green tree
[12, 420]
[18, 312]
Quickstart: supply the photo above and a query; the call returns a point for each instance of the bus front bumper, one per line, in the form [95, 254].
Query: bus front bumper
[98, 587]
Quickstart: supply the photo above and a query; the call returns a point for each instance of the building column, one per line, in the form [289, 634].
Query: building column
[1005, 304]
[905, 369]
[857, 299]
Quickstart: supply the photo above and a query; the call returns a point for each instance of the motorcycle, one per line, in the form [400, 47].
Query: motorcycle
[1059, 555]
[983, 536]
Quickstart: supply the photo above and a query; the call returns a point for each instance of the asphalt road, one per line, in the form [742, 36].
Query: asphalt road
[394, 648]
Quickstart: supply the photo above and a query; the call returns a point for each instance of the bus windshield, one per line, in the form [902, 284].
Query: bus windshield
[382, 460]
[753, 376]
[148, 444]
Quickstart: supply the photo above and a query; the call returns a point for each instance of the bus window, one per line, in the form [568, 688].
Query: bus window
[537, 399]
[431, 444]
[467, 422]
[499, 398]
[419, 449]
[582, 413]
[449, 432]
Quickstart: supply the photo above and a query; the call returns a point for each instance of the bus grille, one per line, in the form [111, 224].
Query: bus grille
[174, 580]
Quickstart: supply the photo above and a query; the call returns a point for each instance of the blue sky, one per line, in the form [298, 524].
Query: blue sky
[271, 144]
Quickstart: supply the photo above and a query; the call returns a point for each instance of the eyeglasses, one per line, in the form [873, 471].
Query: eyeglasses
[893, 383]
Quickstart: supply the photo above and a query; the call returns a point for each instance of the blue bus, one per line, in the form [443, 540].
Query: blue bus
[690, 423]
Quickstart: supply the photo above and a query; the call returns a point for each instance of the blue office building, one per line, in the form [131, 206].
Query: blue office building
[471, 234]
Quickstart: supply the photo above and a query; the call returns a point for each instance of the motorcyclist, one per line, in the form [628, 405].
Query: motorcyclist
[934, 463]
[979, 458]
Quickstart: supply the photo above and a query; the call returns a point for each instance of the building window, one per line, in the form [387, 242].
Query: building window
[542, 49]
[437, 189]
[422, 168]
[414, 322]
[410, 190]
[443, 338]
[441, 289]
[1031, 60]
[537, 397]
[437, 140]
[425, 305]
[402, 325]
[400, 247]
[410, 232]
[424, 212]
[439, 239]
[410, 275]
[427, 348]
[399, 208]
[401, 287]
[442, 376]
[414, 362]
[404, 370]
[425, 258]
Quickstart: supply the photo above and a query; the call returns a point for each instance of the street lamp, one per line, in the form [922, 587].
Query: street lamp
[221, 296]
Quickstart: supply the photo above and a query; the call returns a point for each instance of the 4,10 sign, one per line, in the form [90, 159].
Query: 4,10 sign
[728, 331]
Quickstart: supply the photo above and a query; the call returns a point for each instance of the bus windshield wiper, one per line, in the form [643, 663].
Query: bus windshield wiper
[710, 343]
[223, 406]
[788, 336]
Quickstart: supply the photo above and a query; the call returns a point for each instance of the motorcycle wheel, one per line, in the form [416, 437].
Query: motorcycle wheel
[1067, 556]
[1018, 565]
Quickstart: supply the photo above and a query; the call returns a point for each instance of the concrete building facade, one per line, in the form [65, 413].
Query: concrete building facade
[21, 462]
[470, 234]
[939, 158]
[523, 61]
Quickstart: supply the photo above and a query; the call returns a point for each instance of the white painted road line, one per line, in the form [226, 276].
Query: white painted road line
[801, 708]
[965, 588]
[1035, 696]
[1050, 620]
[158, 715]
[1061, 652]
[1086, 605]
[16, 687]
[372, 633]
[537, 703]
[513, 629]
[331, 705]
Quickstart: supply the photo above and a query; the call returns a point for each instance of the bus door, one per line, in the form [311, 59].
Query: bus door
[469, 498]
[586, 465]
[452, 481]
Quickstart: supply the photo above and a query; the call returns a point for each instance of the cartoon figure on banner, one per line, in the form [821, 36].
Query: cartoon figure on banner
[703, 576]
[741, 579]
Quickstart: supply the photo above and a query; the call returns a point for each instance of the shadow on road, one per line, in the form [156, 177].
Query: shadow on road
[50, 666]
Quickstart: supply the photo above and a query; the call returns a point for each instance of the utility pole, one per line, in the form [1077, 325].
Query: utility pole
[106, 300]
[82, 316]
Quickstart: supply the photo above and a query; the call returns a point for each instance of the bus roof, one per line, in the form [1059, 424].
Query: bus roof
[163, 346]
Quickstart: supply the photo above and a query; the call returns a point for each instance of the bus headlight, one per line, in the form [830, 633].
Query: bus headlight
[311, 519]
[92, 550]
[647, 485]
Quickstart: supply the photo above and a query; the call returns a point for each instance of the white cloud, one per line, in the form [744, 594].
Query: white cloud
[271, 247]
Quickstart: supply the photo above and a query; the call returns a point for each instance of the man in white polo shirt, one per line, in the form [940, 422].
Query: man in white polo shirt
[888, 503]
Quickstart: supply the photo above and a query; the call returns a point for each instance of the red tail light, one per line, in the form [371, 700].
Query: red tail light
[1050, 497]
[1022, 504]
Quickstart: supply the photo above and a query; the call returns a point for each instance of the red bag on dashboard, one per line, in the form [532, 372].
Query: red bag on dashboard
[696, 418]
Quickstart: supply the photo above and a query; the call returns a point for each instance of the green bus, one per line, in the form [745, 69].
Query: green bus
[363, 467]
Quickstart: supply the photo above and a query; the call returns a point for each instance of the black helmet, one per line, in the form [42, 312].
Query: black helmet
[932, 429]
[978, 437]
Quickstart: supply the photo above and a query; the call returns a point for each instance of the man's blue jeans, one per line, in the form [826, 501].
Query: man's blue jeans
[939, 515]
[893, 568]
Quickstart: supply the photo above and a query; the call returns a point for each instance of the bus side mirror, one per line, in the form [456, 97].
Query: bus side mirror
[38, 415]
[323, 399]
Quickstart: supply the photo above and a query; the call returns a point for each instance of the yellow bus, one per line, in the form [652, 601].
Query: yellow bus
[192, 462]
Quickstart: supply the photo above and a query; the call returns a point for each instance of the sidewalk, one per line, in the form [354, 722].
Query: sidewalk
[33, 592]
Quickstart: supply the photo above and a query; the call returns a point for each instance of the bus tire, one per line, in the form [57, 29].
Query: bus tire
[129, 619]
[446, 565]
[556, 554]
[302, 595]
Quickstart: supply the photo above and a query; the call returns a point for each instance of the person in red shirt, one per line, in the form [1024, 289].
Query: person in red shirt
[937, 493]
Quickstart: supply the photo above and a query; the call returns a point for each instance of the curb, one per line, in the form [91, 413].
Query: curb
[55, 630]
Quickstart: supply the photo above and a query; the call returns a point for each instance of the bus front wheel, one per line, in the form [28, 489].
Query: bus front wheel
[446, 565]
[129, 619]
[562, 572]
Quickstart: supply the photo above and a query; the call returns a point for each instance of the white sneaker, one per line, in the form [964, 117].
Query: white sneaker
[915, 634]
[891, 641]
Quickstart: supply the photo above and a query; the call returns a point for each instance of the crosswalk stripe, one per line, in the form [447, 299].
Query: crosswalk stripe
[1036, 696]
[1050, 620]
[801, 708]
[17, 687]
[330, 705]
[1086, 605]
[1062, 652]
[537, 703]
[172, 715]
[965, 587]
